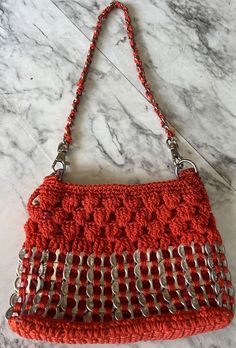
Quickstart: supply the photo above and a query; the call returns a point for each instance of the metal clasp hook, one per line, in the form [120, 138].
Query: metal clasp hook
[177, 158]
[61, 159]
[173, 147]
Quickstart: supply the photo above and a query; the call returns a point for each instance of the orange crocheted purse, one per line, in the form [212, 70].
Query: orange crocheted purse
[116, 262]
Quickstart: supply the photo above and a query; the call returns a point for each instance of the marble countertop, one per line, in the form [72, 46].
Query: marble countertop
[189, 53]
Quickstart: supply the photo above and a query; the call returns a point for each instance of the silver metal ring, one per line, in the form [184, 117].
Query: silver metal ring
[181, 163]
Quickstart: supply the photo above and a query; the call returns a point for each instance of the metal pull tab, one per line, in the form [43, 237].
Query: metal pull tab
[60, 162]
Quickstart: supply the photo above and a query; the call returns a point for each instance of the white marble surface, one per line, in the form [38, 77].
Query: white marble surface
[188, 48]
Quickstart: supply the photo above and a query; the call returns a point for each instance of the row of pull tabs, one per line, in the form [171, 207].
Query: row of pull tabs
[90, 274]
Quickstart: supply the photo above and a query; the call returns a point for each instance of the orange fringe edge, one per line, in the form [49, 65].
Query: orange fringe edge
[163, 327]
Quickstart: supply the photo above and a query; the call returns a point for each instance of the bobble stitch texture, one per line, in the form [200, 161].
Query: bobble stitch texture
[122, 216]
[115, 218]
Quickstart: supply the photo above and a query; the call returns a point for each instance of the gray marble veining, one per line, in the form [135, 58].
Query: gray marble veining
[189, 54]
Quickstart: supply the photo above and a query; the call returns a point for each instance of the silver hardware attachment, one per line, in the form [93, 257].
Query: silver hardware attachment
[60, 162]
[177, 159]
[181, 164]
[173, 147]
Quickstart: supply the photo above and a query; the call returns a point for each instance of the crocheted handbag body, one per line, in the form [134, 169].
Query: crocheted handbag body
[115, 263]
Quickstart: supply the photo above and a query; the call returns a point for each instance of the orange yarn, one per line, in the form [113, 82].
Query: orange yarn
[163, 327]
[182, 266]
[115, 218]
[139, 67]
[112, 218]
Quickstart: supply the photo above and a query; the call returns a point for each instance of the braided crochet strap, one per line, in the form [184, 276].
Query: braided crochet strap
[141, 74]
[67, 139]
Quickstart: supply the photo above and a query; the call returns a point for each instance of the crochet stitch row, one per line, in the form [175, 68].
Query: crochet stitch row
[116, 218]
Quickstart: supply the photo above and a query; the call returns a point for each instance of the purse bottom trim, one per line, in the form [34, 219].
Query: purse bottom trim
[163, 327]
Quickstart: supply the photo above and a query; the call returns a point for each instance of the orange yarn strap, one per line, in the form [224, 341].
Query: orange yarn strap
[137, 60]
